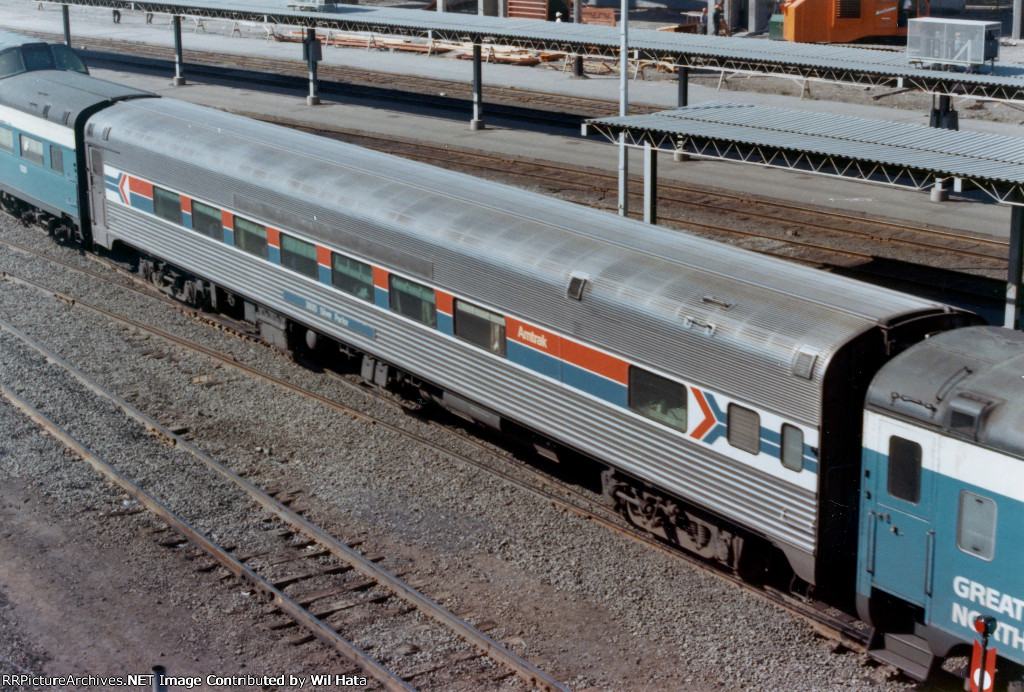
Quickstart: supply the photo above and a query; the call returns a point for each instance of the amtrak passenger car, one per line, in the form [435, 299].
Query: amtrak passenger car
[724, 391]
[718, 379]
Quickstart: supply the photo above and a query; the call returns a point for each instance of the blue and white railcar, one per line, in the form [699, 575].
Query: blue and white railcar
[942, 502]
[724, 388]
[42, 115]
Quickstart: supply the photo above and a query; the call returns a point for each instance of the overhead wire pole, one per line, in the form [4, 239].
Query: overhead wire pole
[179, 77]
[624, 108]
[1015, 271]
[65, 14]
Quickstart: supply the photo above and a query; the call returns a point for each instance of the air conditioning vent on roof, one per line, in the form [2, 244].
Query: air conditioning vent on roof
[46, 111]
[576, 285]
[803, 366]
[966, 412]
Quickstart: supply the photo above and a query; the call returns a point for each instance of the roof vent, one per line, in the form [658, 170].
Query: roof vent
[803, 365]
[576, 285]
[67, 117]
[46, 111]
[106, 133]
[717, 301]
[966, 412]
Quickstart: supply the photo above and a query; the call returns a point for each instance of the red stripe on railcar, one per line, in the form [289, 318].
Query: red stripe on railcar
[140, 187]
[595, 361]
[534, 337]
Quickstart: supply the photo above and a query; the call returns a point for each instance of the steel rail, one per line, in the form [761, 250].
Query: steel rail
[319, 629]
[470, 634]
[830, 627]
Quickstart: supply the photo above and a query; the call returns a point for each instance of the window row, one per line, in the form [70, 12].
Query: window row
[650, 395]
[32, 149]
[664, 400]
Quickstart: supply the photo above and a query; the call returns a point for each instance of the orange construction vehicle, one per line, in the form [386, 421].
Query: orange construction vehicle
[844, 21]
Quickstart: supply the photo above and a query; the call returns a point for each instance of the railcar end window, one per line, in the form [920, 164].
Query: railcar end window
[792, 447]
[207, 220]
[6, 140]
[480, 327]
[251, 237]
[298, 255]
[65, 59]
[657, 398]
[352, 276]
[167, 205]
[37, 56]
[744, 428]
[56, 158]
[32, 150]
[904, 470]
[976, 528]
[413, 300]
[11, 62]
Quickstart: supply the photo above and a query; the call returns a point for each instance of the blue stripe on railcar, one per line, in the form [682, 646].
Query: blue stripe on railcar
[533, 359]
[380, 298]
[445, 323]
[591, 383]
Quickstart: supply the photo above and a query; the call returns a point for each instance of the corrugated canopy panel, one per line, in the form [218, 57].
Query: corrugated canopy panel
[745, 50]
[972, 155]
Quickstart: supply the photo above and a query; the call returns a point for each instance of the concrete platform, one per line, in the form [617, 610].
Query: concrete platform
[969, 217]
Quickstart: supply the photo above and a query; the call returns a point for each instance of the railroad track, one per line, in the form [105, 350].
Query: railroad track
[835, 625]
[321, 584]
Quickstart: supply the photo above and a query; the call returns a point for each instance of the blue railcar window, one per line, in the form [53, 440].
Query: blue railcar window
[744, 428]
[298, 255]
[11, 62]
[65, 59]
[37, 57]
[32, 150]
[167, 205]
[251, 237]
[352, 276]
[207, 220]
[904, 470]
[413, 300]
[976, 528]
[657, 398]
[6, 140]
[480, 327]
[792, 447]
[56, 158]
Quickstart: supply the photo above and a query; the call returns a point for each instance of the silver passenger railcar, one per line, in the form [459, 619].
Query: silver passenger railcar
[723, 388]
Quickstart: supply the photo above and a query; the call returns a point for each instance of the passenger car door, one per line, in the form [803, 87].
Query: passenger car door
[902, 515]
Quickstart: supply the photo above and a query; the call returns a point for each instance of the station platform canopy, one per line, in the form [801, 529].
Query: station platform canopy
[897, 154]
[862, 66]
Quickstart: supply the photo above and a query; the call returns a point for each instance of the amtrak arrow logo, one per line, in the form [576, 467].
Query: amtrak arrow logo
[713, 425]
[122, 187]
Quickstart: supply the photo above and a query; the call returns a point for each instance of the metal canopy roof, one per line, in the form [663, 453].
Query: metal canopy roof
[872, 150]
[807, 61]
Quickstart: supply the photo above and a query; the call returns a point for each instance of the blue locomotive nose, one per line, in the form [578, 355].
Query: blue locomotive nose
[941, 498]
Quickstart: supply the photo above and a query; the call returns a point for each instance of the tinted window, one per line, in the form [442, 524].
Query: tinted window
[657, 398]
[479, 326]
[207, 220]
[56, 158]
[167, 205]
[6, 140]
[251, 237]
[65, 59]
[352, 276]
[744, 429]
[976, 530]
[792, 447]
[414, 301]
[37, 56]
[11, 62]
[904, 470]
[31, 149]
[298, 255]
